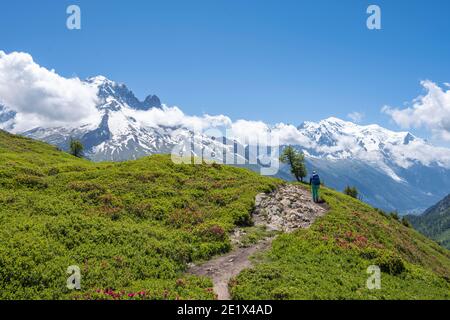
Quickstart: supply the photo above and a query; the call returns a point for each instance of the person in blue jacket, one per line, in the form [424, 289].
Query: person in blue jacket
[314, 182]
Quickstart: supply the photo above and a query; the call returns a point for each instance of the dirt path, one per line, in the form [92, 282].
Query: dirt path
[223, 268]
[287, 209]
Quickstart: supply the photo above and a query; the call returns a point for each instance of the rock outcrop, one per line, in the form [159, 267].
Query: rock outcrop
[287, 209]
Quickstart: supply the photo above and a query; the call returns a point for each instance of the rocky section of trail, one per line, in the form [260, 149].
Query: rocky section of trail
[285, 210]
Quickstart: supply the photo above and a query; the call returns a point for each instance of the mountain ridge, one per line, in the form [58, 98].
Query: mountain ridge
[130, 129]
[435, 222]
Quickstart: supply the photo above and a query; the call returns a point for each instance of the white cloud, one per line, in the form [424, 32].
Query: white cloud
[356, 117]
[174, 117]
[258, 132]
[245, 131]
[406, 155]
[249, 132]
[288, 134]
[431, 111]
[41, 97]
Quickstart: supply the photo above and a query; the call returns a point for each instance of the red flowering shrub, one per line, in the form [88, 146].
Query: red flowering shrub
[181, 282]
[185, 216]
[217, 232]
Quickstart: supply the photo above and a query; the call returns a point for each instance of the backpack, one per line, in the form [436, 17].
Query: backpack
[315, 180]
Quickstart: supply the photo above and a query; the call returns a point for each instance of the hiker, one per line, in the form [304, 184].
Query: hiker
[314, 182]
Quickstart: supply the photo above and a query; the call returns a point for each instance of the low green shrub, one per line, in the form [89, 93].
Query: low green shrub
[30, 181]
[390, 263]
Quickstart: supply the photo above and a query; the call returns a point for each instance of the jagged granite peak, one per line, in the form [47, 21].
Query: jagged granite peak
[152, 101]
[113, 95]
[119, 135]
[408, 138]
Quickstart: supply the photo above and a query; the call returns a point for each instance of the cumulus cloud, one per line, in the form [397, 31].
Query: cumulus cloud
[41, 97]
[174, 117]
[288, 134]
[406, 155]
[258, 132]
[431, 111]
[356, 117]
[249, 132]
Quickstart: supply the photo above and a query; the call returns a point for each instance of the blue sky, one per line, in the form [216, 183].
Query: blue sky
[276, 61]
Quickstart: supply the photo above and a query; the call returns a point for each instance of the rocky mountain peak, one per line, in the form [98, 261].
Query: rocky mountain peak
[408, 138]
[115, 95]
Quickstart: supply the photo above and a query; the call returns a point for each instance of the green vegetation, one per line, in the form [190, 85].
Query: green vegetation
[254, 234]
[76, 148]
[296, 161]
[351, 191]
[131, 227]
[330, 259]
[394, 215]
[405, 222]
[435, 222]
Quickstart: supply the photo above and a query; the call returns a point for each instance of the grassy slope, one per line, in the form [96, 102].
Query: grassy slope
[134, 226]
[329, 260]
[129, 226]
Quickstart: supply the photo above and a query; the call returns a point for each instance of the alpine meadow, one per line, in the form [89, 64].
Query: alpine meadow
[133, 227]
[225, 159]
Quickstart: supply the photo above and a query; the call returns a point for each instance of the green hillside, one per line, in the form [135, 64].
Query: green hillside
[133, 227]
[435, 222]
[129, 226]
[330, 260]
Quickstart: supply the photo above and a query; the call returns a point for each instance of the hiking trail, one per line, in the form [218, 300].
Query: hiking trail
[288, 208]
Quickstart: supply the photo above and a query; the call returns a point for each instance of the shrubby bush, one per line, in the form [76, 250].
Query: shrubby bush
[390, 263]
[31, 181]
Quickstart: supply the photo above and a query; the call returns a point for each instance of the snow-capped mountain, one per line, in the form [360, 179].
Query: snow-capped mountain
[392, 170]
[122, 133]
[335, 139]
[114, 96]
